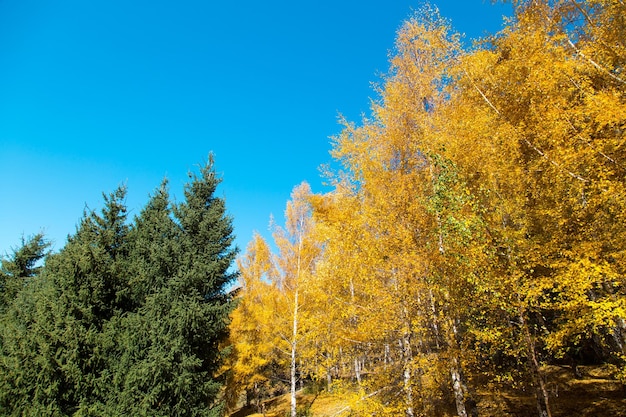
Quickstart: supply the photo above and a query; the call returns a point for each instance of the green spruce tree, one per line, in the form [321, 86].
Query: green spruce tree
[52, 359]
[169, 347]
[22, 264]
[190, 314]
[126, 319]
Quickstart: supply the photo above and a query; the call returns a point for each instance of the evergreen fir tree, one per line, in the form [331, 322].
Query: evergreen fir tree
[52, 357]
[169, 346]
[126, 319]
[189, 316]
[21, 265]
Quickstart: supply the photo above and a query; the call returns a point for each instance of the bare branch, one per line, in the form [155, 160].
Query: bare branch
[480, 92]
[594, 63]
[583, 12]
[571, 174]
[536, 149]
[588, 142]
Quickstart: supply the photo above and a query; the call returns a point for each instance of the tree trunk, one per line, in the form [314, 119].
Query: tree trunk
[293, 356]
[329, 378]
[435, 322]
[541, 393]
[407, 374]
[387, 359]
[465, 403]
[457, 387]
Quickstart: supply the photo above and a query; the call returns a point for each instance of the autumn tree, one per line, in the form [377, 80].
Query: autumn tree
[525, 131]
[276, 299]
[475, 232]
[417, 237]
[251, 363]
[295, 261]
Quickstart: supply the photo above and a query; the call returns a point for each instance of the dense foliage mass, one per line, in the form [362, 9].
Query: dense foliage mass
[127, 318]
[476, 231]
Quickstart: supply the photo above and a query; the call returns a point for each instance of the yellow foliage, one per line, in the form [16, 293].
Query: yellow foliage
[480, 214]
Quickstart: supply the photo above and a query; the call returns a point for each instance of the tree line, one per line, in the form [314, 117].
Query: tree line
[475, 230]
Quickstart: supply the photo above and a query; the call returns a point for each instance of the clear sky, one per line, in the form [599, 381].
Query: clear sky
[94, 94]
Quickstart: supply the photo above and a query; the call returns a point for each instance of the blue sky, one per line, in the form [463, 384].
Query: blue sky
[94, 94]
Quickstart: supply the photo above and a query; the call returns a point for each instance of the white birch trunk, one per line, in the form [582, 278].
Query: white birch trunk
[408, 383]
[357, 369]
[294, 336]
[457, 387]
[293, 356]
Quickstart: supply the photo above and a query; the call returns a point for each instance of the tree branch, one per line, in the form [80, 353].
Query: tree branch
[536, 149]
[594, 63]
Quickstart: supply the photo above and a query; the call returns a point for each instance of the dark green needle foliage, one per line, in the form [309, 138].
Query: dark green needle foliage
[24, 263]
[53, 332]
[126, 319]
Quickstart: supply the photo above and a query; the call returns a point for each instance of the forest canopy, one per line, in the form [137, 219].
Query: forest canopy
[475, 230]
